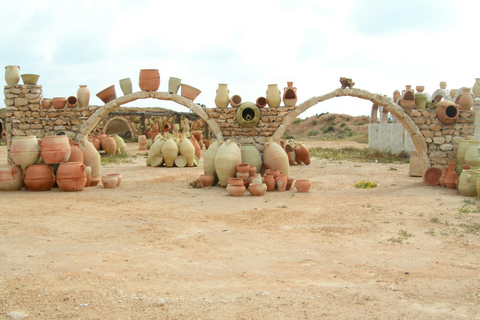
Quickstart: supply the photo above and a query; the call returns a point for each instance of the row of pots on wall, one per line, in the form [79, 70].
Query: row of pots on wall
[149, 80]
[12, 76]
[82, 100]
[273, 97]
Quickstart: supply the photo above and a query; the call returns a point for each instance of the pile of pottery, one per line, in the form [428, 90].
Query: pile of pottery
[110, 144]
[149, 80]
[12, 76]
[81, 100]
[463, 175]
[297, 152]
[174, 150]
[273, 97]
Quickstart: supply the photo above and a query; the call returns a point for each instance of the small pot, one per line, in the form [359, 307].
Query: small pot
[109, 181]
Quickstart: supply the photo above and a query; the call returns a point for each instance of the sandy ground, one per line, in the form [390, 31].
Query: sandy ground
[154, 248]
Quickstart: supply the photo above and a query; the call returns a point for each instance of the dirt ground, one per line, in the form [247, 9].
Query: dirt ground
[154, 248]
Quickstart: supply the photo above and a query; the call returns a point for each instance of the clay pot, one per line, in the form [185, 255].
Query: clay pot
[197, 135]
[302, 153]
[447, 112]
[55, 149]
[169, 151]
[235, 181]
[46, 103]
[420, 88]
[442, 177]
[107, 94]
[465, 101]
[467, 185]
[303, 185]
[235, 101]
[149, 80]
[281, 183]
[174, 84]
[450, 176]
[226, 161]
[83, 96]
[472, 155]
[196, 145]
[222, 98]
[476, 87]
[462, 147]
[396, 96]
[289, 183]
[261, 102]
[273, 96]
[126, 86]
[431, 176]
[11, 177]
[243, 168]
[235, 190]
[39, 177]
[189, 92]
[187, 149]
[91, 158]
[76, 154]
[12, 75]
[274, 157]
[30, 78]
[290, 150]
[443, 85]
[96, 143]
[101, 135]
[257, 189]
[274, 172]
[408, 98]
[270, 182]
[251, 171]
[72, 102]
[207, 179]
[24, 150]
[109, 145]
[95, 181]
[156, 151]
[251, 156]
[207, 143]
[119, 177]
[109, 181]
[142, 141]
[59, 103]
[421, 100]
[289, 95]
[209, 158]
[71, 176]
[453, 92]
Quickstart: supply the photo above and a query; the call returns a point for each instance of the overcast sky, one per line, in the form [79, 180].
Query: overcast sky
[382, 45]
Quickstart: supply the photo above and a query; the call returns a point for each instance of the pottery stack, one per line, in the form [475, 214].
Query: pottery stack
[173, 151]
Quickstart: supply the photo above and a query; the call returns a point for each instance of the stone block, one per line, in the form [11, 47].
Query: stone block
[9, 102]
[446, 147]
[439, 140]
[19, 102]
[428, 134]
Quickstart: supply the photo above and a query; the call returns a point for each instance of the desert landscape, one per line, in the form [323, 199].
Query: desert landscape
[155, 248]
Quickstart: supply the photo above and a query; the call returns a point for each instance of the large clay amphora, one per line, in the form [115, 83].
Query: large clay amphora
[169, 151]
[24, 150]
[11, 177]
[467, 185]
[109, 145]
[228, 157]
[55, 149]
[187, 150]
[275, 157]
[155, 150]
[301, 152]
[12, 75]
[289, 95]
[273, 96]
[83, 96]
[472, 155]
[222, 98]
[252, 156]
[71, 176]
[39, 177]
[91, 157]
[461, 149]
[209, 159]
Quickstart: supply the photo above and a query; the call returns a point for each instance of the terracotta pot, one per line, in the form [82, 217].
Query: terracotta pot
[257, 189]
[12, 75]
[196, 145]
[30, 78]
[91, 158]
[303, 185]
[301, 152]
[174, 85]
[443, 85]
[126, 86]
[109, 145]
[97, 144]
[189, 92]
[235, 181]
[465, 101]
[222, 97]
[450, 176]
[95, 181]
[290, 183]
[55, 149]
[261, 102]
[226, 161]
[71, 176]
[109, 181]
[142, 141]
[72, 102]
[197, 135]
[107, 94]
[290, 95]
[207, 179]
[39, 177]
[270, 182]
[11, 177]
[207, 143]
[235, 190]
[274, 172]
[243, 168]
[447, 112]
[119, 177]
[431, 176]
[442, 177]
[408, 98]
[281, 183]
[274, 157]
[235, 101]
[59, 103]
[243, 175]
[76, 154]
[396, 96]
[24, 150]
[83, 96]
[273, 96]
[251, 171]
[149, 80]
[46, 103]
[420, 88]
[290, 150]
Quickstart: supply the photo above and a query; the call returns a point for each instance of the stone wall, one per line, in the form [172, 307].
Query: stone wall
[270, 121]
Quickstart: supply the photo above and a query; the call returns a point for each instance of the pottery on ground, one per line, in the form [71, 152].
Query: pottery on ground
[450, 176]
[71, 176]
[55, 149]
[142, 142]
[209, 159]
[11, 177]
[257, 189]
[432, 176]
[275, 157]
[109, 182]
[24, 150]
[169, 151]
[91, 158]
[76, 154]
[207, 179]
[39, 177]
[472, 154]
[303, 185]
[467, 184]
[226, 161]
[119, 177]
[235, 190]
[109, 145]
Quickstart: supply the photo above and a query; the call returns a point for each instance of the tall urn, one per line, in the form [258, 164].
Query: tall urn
[228, 157]
[12, 75]
[273, 96]
[222, 98]
[83, 96]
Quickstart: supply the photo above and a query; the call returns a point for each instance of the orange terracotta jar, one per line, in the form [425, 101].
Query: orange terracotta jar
[149, 80]
[39, 177]
[55, 149]
[303, 185]
[71, 176]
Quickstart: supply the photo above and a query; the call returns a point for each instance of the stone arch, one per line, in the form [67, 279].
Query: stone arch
[124, 120]
[378, 99]
[93, 120]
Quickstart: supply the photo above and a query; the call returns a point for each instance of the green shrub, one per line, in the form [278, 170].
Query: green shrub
[312, 133]
[313, 123]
